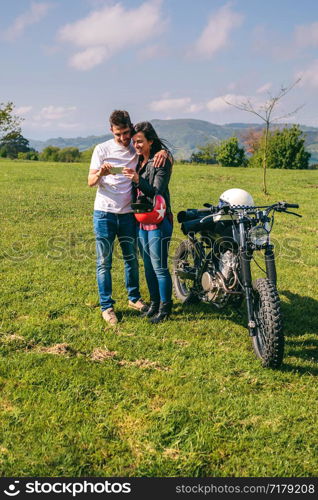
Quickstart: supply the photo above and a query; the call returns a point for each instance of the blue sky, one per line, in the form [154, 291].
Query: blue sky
[66, 64]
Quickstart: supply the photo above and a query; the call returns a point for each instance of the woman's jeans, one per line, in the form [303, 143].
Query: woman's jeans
[154, 246]
[107, 226]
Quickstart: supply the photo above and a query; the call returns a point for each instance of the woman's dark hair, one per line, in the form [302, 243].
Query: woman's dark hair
[151, 135]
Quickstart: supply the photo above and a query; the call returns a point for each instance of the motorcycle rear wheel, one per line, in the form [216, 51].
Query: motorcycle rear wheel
[268, 343]
[185, 255]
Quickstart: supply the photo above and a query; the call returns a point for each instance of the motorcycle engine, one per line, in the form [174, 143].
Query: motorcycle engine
[217, 282]
[227, 263]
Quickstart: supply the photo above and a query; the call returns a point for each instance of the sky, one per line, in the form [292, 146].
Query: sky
[67, 64]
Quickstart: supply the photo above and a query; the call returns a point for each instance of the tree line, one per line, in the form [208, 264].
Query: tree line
[285, 149]
[18, 148]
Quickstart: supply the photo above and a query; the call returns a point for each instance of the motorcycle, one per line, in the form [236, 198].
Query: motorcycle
[214, 265]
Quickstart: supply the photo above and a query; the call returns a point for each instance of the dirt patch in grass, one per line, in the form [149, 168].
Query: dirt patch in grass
[171, 453]
[6, 406]
[101, 355]
[58, 349]
[13, 338]
[17, 342]
[157, 403]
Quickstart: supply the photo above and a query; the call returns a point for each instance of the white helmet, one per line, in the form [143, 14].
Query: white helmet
[236, 196]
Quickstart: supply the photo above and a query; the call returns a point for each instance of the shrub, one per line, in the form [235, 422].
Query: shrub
[230, 154]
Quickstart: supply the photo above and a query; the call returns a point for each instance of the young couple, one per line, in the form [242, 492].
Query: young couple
[144, 164]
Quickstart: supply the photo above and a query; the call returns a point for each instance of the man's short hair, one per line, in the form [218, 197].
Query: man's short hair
[120, 118]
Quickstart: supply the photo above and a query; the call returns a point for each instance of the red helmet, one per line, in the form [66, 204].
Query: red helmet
[148, 213]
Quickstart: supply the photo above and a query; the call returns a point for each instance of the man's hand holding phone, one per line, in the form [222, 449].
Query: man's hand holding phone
[105, 169]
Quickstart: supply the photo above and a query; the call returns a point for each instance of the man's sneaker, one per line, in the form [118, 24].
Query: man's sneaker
[139, 305]
[110, 316]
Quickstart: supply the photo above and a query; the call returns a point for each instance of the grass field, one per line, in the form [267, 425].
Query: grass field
[184, 398]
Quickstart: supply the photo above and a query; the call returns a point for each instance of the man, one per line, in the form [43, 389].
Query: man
[113, 215]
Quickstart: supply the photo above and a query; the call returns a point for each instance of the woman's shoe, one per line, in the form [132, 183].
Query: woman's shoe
[163, 313]
[151, 311]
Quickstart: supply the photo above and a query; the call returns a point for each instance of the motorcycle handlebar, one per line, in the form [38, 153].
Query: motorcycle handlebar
[204, 213]
[291, 205]
[192, 214]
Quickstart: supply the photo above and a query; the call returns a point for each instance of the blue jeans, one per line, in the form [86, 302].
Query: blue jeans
[154, 246]
[107, 226]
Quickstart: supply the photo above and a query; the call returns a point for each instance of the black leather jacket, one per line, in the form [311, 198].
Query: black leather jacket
[153, 180]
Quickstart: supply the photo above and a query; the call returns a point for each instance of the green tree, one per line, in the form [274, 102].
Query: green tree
[50, 153]
[29, 155]
[69, 154]
[86, 155]
[205, 154]
[12, 144]
[9, 122]
[285, 149]
[230, 154]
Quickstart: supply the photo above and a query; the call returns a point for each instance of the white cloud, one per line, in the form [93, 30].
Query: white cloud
[36, 12]
[194, 108]
[113, 28]
[182, 104]
[264, 88]
[185, 104]
[88, 58]
[309, 76]
[216, 34]
[23, 110]
[52, 113]
[220, 103]
[55, 117]
[306, 35]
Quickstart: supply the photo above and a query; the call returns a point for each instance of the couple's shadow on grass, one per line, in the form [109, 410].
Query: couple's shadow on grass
[300, 319]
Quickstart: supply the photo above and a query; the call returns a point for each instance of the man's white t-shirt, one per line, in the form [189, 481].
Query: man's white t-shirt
[114, 191]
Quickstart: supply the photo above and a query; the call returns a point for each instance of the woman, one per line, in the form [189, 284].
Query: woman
[154, 239]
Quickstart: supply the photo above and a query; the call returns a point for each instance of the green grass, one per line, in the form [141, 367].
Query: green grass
[187, 397]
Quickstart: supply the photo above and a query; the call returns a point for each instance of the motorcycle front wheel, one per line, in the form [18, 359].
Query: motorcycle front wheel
[268, 342]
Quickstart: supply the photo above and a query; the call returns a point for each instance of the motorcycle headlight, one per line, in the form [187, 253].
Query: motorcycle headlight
[258, 235]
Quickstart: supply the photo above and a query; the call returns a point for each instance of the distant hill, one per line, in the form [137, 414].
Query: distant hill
[185, 135]
[82, 143]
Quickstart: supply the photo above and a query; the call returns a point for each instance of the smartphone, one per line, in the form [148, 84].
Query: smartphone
[116, 170]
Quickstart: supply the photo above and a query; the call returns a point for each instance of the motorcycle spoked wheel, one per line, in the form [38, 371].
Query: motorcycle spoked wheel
[185, 254]
[268, 343]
